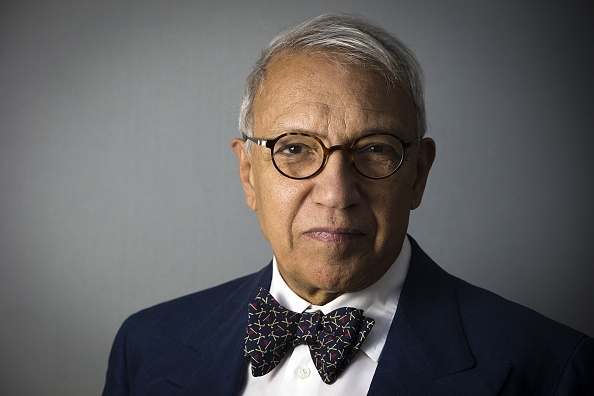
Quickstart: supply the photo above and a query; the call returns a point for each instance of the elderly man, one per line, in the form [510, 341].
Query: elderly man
[332, 160]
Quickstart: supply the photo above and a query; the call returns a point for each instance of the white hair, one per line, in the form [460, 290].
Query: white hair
[359, 41]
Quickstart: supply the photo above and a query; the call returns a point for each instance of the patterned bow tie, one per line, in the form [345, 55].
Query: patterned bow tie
[333, 339]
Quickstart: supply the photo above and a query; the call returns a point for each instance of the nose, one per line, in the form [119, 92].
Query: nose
[336, 186]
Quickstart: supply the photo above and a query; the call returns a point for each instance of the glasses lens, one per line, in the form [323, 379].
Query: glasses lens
[378, 156]
[297, 155]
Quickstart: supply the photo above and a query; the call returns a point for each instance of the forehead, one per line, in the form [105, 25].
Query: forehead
[325, 94]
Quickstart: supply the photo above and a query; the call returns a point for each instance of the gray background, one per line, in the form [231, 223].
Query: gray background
[118, 188]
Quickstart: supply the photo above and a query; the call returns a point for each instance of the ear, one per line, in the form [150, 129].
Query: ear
[425, 158]
[245, 172]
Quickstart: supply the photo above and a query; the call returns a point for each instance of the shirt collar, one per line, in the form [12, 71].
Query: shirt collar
[378, 301]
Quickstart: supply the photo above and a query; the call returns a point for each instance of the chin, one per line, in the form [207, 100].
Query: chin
[335, 280]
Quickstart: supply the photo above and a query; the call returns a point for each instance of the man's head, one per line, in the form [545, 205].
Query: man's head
[338, 79]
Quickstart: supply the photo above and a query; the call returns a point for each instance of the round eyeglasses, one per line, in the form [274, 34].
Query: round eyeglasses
[300, 156]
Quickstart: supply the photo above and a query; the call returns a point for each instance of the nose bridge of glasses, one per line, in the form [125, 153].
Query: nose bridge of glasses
[348, 155]
[347, 150]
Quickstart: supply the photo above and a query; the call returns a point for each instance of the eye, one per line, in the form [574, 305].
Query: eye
[377, 148]
[291, 149]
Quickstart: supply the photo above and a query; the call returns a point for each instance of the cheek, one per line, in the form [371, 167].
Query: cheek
[391, 208]
[279, 201]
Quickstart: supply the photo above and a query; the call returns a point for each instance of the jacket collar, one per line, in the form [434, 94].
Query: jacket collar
[427, 351]
[215, 345]
[429, 304]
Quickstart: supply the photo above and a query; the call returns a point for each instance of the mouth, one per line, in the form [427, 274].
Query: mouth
[334, 235]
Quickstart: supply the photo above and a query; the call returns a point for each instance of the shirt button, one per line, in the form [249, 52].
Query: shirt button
[303, 372]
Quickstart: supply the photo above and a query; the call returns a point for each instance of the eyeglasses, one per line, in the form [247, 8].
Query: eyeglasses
[300, 156]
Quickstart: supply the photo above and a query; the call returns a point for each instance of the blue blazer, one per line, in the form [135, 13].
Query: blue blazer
[447, 338]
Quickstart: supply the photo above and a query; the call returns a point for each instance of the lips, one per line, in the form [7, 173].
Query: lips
[334, 235]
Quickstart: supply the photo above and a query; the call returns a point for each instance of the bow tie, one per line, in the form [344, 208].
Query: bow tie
[333, 339]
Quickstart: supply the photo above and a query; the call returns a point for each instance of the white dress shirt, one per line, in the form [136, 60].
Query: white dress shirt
[297, 375]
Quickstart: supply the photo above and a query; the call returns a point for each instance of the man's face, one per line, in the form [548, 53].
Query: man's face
[338, 231]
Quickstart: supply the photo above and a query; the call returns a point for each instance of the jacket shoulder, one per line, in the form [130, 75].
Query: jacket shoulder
[482, 312]
[543, 355]
[169, 340]
[174, 316]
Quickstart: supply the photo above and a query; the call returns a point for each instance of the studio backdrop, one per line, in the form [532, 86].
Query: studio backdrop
[118, 188]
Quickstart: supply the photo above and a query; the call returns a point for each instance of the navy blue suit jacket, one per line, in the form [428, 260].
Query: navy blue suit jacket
[447, 338]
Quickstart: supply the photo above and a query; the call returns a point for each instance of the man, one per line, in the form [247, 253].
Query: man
[332, 160]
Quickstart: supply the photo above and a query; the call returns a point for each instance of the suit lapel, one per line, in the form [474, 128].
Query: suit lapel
[211, 357]
[426, 351]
